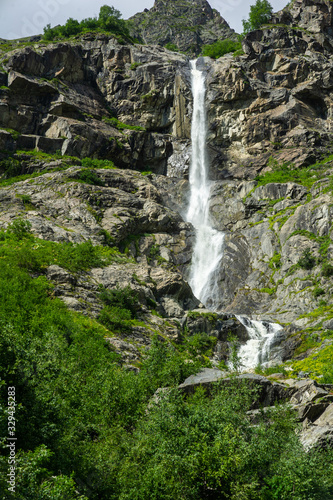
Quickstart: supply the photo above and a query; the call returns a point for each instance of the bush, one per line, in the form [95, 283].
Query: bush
[307, 261]
[317, 292]
[10, 168]
[171, 46]
[88, 176]
[120, 297]
[121, 306]
[220, 48]
[260, 13]
[20, 228]
[327, 270]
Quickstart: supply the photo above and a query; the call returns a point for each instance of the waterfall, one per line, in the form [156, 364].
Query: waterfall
[263, 336]
[208, 247]
[207, 252]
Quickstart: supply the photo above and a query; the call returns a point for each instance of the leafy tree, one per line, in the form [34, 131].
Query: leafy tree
[260, 13]
[109, 20]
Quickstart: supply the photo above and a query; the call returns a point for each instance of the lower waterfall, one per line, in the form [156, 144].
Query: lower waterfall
[208, 247]
[257, 350]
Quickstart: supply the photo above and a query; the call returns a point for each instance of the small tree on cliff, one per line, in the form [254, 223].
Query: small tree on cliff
[260, 13]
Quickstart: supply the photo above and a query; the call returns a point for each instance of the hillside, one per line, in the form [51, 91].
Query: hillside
[101, 334]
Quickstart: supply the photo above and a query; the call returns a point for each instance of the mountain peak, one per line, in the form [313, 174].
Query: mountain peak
[186, 24]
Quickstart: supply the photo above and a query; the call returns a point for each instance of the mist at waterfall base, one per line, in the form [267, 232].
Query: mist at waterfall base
[208, 247]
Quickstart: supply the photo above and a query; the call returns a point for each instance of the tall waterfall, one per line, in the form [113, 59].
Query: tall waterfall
[207, 252]
[208, 247]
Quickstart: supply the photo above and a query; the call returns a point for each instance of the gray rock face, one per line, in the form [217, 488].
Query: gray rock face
[186, 24]
[320, 433]
[75, 89]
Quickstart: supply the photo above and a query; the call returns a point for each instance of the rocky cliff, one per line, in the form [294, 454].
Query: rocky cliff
[269, 115]
[186, 25]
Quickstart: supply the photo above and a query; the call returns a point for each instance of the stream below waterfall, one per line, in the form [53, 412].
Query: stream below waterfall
[208, 247]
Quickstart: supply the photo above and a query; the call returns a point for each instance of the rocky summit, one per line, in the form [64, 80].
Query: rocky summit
[95, 153]
[184, 25]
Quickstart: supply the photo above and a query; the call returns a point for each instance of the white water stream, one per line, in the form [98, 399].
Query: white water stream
[208, 247]
[207, 252]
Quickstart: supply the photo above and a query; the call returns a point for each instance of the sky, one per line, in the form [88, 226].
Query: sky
[20, 18]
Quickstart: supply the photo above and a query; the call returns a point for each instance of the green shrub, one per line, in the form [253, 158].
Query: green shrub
[120, 297]
[327, 270]
[20, 228]
[317, 292]
[307, 261]
[220, 48]
[171, 46]
[135, 65]
[116, 319]
[275, 261]
[10, 168]
[114, 122]
[88, 176]
[95, 163]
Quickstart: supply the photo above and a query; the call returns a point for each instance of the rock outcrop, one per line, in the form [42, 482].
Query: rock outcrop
[95, 97]
[185, 25]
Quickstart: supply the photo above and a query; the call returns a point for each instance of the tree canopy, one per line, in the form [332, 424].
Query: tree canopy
[109, 20]
[260, 13]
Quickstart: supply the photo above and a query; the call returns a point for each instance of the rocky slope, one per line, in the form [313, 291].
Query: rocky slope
[269, 111]
[187, 25]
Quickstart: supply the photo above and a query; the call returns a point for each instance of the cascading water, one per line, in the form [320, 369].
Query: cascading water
[207, 252]
[208, 248]
[257, 350]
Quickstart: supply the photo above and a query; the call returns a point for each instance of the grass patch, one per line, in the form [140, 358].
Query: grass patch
[286, 172]
[114, 122]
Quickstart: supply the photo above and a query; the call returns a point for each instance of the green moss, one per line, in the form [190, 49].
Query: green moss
[275, 261]
[135, 65]
[114, 122]
[286, 172]
[211, 317]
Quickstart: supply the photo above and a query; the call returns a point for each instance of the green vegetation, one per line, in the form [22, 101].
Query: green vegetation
[89, 176]
[286, 172]
[87, 428]
[135, 65]
[171, 46]
[114, 122]
[220, 48]
[120, 308]
[94, 163]
[20, 249]
[260, 13]
[307, 261]
[109, 21]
